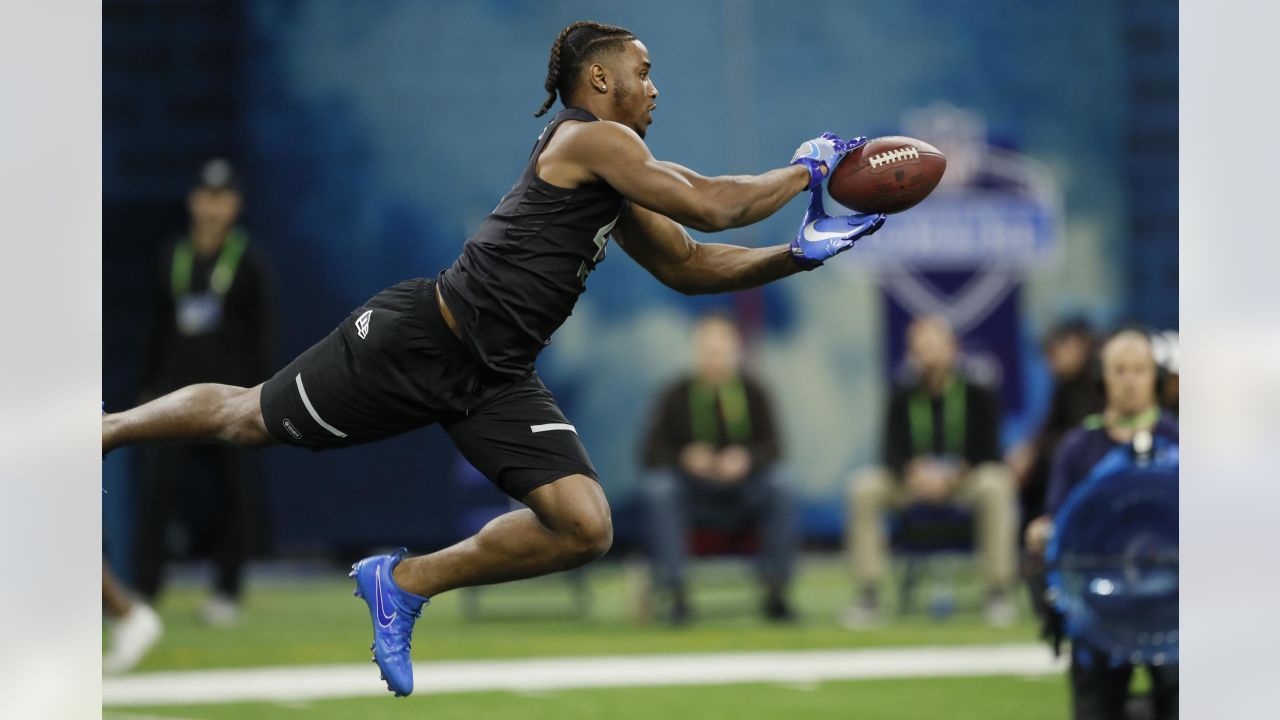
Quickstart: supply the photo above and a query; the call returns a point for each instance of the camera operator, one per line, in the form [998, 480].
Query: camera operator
[1132, 416]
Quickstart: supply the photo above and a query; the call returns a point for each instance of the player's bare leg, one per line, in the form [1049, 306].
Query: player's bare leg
[567, 525]
[202, 412]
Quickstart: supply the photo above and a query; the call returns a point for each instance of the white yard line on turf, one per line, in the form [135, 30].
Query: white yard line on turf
[793, 668]
[132, 716]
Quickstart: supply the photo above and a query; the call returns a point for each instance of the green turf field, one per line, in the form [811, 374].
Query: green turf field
[990, 698]
[318, 621]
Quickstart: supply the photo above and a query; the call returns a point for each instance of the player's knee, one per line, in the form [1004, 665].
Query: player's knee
[590, 536]
[240, 416]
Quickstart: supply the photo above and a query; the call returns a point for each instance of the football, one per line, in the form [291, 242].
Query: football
[887, 175]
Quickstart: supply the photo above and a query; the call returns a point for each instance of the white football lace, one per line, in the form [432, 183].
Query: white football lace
[905, 152]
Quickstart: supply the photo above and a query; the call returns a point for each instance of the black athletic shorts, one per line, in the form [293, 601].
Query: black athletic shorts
[394, 366]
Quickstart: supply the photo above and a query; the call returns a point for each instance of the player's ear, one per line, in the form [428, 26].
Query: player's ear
[598, 78]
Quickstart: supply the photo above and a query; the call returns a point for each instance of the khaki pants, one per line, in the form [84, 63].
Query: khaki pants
[988, 489]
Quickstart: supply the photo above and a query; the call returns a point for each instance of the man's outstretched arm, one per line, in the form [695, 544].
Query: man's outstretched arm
[615, 154]
[661, 246]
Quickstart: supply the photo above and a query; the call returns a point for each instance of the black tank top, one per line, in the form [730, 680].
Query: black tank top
[520, 275]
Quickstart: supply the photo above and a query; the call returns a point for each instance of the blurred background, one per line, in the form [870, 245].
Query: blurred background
[368, 140]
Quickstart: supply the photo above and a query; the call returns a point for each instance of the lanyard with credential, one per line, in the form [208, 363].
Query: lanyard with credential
[733, 402]
[1145, 419]
[224, 270]
[920, 411]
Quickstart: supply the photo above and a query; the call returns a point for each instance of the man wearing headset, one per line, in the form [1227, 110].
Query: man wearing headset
[1132, 417]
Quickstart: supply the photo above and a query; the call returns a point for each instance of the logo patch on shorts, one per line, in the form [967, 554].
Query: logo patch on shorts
[362, 324]
[288, 425]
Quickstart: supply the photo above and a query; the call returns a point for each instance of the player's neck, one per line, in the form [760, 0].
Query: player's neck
[600, 106]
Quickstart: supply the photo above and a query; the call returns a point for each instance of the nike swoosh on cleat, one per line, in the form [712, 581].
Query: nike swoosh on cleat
[382, 612]
[812, 234]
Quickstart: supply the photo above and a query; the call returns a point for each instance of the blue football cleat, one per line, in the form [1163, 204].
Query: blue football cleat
[393, 611]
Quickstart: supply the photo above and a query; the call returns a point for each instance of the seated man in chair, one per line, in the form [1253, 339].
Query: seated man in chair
[712, 462]
[941, 445]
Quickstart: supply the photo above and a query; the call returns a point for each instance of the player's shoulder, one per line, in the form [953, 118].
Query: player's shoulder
[609, 128]
[599, 136]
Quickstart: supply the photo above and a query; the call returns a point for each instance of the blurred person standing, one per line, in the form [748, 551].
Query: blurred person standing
[1070, 352]
[1132, 417]
[712, 461]
[941, 445]
[212, 323]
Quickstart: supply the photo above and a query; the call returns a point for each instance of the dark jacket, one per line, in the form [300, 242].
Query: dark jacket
[1081, 450]
[236, 349]
[1074, 399]
[672, 425]
[963, 422]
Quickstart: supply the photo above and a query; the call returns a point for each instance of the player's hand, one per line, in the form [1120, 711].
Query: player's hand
[822, 236]
[821, 155]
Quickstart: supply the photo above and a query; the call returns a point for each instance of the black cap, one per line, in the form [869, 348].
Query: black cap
[218, 174]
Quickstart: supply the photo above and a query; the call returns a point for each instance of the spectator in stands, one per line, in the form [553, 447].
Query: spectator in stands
[941, 445]
[212, 323]
[712, 457]
[1069, 351]
[1099, 691]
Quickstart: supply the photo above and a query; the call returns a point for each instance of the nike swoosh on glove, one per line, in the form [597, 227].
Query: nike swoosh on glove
[822, 236]
[821, 155]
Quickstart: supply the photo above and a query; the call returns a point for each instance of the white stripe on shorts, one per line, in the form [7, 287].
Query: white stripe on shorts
[315, 415]
[553, 426]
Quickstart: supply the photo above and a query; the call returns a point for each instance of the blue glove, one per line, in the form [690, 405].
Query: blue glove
[822, 236]
[821, 155]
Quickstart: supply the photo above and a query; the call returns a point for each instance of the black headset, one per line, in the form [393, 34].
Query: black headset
[1164, 348]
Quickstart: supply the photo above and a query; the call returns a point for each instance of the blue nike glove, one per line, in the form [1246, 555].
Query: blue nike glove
[821, 155]
[822, 236]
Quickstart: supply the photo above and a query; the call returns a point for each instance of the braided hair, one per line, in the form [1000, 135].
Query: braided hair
[575, 45]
